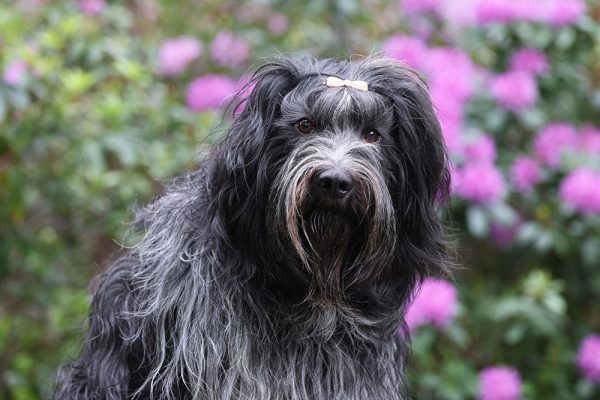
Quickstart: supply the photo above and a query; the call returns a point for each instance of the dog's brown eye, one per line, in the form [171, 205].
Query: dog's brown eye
[304, 126]
[371, 136]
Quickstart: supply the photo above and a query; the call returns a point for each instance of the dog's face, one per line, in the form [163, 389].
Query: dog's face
[347, 180]
[331, 197]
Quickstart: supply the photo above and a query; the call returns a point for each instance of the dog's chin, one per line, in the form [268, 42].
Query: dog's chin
[329, 233]
[327, 226]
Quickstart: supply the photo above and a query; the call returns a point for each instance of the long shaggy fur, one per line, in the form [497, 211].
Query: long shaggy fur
[248, 286]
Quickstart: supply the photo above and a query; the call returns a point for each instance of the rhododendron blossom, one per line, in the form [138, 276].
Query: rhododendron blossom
[525, 173]
[529, 61]
[15, 73]
[581, 190]
[421, 6]
[91, 7]
[553, 141]
[176, 54]
[210, 92]
[411, 50]
[481, 183]
[588, 357]
[481, 150]
[554, 12]
[436, 303]
[278, 24]
[589, 140]
[515, 90]
[229, 50]
[499, 383]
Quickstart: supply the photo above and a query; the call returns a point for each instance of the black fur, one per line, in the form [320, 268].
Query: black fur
[249, 283]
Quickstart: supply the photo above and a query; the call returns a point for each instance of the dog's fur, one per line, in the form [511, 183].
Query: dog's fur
[249, 285]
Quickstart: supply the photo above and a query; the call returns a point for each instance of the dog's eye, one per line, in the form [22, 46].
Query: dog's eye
[371, 136]
[304, 126]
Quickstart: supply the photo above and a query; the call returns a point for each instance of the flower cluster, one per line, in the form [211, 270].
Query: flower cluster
[211, 92]
[176, 54]
[588, 357]
[514, 90]
[229, 50]
[483, 12]
[15, 72]
[435, 303]
[451, 86]
[526, 173]
[581, 190]
[553, 12]
[91, 7]
[499, 383]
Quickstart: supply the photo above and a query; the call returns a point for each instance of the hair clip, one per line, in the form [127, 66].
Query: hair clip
[332, 81]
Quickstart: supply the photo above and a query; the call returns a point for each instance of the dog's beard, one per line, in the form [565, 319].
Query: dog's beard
[327, 233]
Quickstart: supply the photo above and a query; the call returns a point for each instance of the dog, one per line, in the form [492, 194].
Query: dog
[281, 268]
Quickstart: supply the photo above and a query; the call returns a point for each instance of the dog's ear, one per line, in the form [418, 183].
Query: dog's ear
[417, 130]
[243, 145]
[238, 168]
[423, 177]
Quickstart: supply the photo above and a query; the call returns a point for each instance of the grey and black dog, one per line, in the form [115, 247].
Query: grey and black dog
[281, 268]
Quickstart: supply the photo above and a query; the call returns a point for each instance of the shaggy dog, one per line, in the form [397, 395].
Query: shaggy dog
[281, 268]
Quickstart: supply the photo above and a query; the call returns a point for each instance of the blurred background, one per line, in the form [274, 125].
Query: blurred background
[102, 102]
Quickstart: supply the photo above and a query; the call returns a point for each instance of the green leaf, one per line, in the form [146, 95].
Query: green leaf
[515, 333]
[77, 81]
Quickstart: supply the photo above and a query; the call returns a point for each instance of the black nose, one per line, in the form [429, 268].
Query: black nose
[334, 183]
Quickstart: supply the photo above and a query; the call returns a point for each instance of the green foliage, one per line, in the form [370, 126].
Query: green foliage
[88, 134]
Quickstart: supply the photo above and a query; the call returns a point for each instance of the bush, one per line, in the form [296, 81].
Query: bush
[98, 107]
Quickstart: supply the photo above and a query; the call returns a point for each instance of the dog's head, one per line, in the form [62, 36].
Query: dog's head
[334, 184]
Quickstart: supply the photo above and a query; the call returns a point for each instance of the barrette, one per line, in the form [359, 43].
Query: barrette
[332, 81]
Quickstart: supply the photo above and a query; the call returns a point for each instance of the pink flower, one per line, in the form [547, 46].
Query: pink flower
[449, 111]
[451, 129]
[565, 12]
[588, 357]
[589, 140]
[278, 24]
[525, 173]
[229, 50]
[421, 6]
[460, 13]
[176, 54]
[515, 90]
[496, 11]
[15, 72]
[411, 50]
[210, 92]
[529, 60]
[499, 383]
[481, 183]
[91, 7]
[555, 12]
[581, 190]
[482, 150]
[553, 141]
[451, 71]
[504, 235]
[436, 303]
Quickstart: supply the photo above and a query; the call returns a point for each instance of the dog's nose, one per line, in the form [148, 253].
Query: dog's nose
[334, 183]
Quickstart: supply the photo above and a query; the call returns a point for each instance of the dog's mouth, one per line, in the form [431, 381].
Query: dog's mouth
[328, 226]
